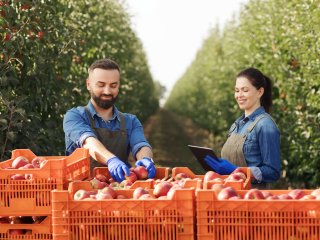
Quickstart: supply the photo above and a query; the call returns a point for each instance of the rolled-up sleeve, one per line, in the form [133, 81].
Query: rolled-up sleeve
[137, 139]
[76, 129]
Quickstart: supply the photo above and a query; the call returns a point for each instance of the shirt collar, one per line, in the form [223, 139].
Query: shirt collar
[252, 116]
[93, 112]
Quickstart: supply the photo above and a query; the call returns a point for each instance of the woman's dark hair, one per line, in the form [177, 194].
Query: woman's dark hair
[258, 80]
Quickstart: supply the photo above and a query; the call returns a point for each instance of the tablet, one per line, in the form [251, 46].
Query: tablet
[200, 153]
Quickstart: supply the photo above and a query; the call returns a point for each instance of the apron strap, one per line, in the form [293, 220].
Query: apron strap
[251, 127]
[122, 121]
[90, 117]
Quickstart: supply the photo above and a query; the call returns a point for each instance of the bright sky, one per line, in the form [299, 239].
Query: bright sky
[172, 31]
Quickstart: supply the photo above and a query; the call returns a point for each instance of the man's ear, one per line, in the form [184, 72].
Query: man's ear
[88, 84]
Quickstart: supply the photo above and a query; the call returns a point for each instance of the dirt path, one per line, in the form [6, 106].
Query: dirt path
[169, 134]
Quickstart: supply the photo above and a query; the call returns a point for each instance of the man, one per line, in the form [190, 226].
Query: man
[100, 127]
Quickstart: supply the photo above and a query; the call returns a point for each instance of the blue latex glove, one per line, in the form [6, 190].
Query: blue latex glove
[149, 165]
[221, 166]
[117, 169]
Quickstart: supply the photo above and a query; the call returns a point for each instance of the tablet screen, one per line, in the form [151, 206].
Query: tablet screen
[200, 153]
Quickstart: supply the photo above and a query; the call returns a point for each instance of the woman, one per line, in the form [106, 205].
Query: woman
[254, 138]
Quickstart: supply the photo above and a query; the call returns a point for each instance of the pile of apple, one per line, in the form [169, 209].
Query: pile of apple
[22, 162]
[238, 175]
[162, 190]
[136, 173]
[21, 220]
[224, 193]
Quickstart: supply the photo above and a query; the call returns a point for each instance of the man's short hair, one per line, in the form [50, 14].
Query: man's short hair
[105, 63]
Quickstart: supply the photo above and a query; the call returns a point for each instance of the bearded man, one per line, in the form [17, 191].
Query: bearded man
[109, 134]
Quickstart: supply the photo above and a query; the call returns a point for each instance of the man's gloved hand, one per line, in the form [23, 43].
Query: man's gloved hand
[117, 169]
[221, 166]
[149, 165]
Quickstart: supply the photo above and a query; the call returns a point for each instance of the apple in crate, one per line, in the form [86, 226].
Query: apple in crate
[180, 176]
[96, 184]
[316, 193]
[211, 175]
[81, 194]
[296, 193]
[20, 162]
[217, 187]
[227, 193]
[108, 190]
[284, 196]
[234, 178]
[138, 192]
[101, 178]
[101, 196]
[254, 193]
[132, 177]
[18, 177]
[141, 172]
[36, 162]
[161, 189]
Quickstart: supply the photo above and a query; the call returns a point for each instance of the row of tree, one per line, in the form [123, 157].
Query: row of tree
[281, 38]
[46, 48]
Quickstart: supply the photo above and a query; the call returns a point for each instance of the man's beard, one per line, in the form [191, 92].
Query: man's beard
[105, 104]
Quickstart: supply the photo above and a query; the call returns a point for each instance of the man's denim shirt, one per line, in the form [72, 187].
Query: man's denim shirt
[262, 146]
[76, 125]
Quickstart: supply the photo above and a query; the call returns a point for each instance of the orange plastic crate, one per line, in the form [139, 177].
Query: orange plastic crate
[256, 219]
[33, 197]
[208, 184]
[41, 231]
[118, 219]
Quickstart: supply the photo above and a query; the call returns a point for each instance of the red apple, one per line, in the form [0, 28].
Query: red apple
[18, 177]
[211, 175]
[161, 189]
[284, 196]
[254, 193]
[234, 178]
[27, 166]
[316, 192]
[81, 194]
[227, 193]
[266, 194]
[146, 196]
[101, 196]
[96, 184]
[132, 177]
[20, 162]
[217, 187]
[125, 184]
[180, 176]
[4, 220]
[138, 192]
[37, 161]
[141, 172]
[16, 231]
[109, 190]
[101, 178]
[308, 197]
[240, 170]
[272, 197]
[172, 191]
[296, 193]
[240, 174]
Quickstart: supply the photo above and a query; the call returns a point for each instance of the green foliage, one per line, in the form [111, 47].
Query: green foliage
[280, 38]
[46, 48]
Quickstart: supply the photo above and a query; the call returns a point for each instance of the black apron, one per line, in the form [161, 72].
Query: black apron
[114, 141]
